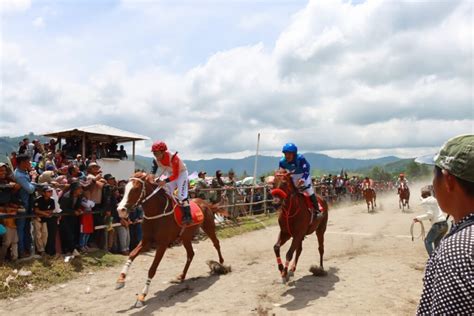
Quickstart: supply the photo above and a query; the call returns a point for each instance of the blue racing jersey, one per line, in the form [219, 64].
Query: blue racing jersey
[298, 166]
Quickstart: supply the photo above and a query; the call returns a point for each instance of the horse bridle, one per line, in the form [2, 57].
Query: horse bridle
[143, 198]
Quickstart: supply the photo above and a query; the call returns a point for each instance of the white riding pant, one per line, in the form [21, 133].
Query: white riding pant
[180, 183]
[307, 183]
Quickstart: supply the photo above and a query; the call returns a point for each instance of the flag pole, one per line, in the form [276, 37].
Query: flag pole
[254, 174]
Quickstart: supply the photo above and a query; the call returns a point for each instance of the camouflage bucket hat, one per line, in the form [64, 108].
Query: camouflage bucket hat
[455, 156]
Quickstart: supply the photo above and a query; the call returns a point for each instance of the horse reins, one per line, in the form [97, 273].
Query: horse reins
[146, 198]
[286, 213]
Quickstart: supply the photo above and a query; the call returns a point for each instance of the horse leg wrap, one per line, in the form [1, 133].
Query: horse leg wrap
[147, 287]
[126, 267]
[279, 261]
[287, 263]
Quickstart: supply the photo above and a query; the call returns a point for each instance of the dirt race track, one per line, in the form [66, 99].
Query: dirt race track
[373, 268]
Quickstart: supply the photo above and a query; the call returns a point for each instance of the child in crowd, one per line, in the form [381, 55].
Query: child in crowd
[43, 208]
[87, 223]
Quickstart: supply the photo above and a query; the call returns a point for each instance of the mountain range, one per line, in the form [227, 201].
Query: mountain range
[266, 164]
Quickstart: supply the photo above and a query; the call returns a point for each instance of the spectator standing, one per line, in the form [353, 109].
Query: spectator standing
[122, 153]
[93, 191]
[23, 146]
[108, 205]
[13, 160]
[70, 203]
[23, 178]
[10, 239]
[43, 209]
[434, 214]
[230, 194]
[136, 227]
[201, 183]
[52, 145]
[217, 183]
[122, 232]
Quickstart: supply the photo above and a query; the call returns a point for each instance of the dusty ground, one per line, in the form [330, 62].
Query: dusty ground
[373, 268]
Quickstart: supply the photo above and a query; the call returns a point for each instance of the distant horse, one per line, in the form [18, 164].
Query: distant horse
[162, 226]
[404, 196]
[370, 197]
[295, 220]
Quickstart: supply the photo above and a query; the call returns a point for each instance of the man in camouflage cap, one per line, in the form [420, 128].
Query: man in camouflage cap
[449, 275]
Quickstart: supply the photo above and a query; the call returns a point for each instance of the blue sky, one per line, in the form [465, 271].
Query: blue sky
[350, 79]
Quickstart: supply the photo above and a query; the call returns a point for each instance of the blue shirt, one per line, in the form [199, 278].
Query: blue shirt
[299, 165]
[27, 188]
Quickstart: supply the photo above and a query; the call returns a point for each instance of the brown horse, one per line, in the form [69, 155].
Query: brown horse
[404, 196]
[159, 226]
[295, 220]
[370, 197]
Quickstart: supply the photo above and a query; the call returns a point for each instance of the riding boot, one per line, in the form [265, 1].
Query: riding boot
[187, 219]
[316, 212]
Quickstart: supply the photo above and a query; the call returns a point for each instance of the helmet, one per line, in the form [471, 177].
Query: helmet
[159, 146]
[290, 148]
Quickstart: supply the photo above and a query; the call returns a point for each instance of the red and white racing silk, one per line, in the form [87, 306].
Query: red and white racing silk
[171, 165]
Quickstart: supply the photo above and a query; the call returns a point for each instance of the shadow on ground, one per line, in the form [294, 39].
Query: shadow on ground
[310, 288]
[175, 293]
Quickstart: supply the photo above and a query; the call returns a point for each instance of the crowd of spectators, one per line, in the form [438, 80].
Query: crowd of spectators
[50, 203]
[53, 200]
[335, 188]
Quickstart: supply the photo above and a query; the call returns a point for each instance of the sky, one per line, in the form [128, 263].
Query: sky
[359, 79]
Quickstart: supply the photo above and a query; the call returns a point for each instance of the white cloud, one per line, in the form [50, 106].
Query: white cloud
[38, 22]
[373, 79]
[256, 21]
[10, 6]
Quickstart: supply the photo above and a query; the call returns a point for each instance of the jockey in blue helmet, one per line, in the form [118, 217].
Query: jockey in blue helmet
[299, 166]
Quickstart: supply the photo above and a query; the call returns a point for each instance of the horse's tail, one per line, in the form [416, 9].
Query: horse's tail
[213, 208]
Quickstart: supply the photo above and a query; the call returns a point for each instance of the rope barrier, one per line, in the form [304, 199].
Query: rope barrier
[422, 233]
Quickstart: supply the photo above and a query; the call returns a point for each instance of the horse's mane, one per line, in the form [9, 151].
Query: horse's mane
[147, 177]
[283, 173]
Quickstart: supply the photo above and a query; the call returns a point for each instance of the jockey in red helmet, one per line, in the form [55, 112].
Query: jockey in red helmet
[401, 179]
[177, 176]
[367, 183]
[299, 166]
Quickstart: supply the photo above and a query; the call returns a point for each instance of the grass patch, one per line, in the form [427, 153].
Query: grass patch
[48, 271]
[247, 224]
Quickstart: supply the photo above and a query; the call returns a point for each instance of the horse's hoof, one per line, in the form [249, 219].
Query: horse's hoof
[119, 285]
[179, 279]
[291, 273]
[139, 304]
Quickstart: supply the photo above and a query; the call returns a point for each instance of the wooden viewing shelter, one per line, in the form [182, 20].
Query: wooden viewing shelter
[101, 134]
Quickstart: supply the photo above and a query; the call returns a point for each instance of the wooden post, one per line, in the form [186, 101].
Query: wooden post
[254, 175]
[265, 199]
[133, 150]
[84, 146]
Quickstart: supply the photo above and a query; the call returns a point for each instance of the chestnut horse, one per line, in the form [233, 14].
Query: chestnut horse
[160, 227]
[404, 196]
[370, 197]
[295, 222]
